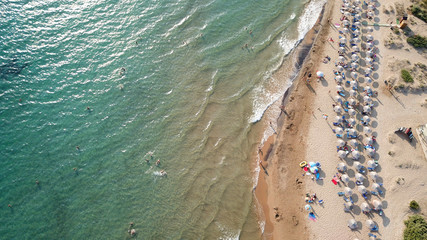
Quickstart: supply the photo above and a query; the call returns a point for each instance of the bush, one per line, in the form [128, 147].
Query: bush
[417, 41]
[414, 205]
[406, 76]
[416, 228]
[419, 13]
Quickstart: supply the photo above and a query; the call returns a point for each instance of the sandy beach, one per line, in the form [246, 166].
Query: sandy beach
[306, 133]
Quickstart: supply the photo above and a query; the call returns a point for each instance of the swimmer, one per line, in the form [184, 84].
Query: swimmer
[88, 108]
[132, 232]
[37, 182]
[9, 205]
[78, 148]
[75, 169]
[250, 32]
[131, 223]
[158, 162]
[147, 160]
[163, 172]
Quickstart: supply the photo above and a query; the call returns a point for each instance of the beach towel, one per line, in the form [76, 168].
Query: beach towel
[311, 216]
[334, 182]
[317, 176]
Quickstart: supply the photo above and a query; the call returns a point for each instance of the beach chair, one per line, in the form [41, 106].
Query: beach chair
[365, 196]
[372, 235]
[341, 94]
[374, 229]
[374, 193]
[339, 135]
[341, 194]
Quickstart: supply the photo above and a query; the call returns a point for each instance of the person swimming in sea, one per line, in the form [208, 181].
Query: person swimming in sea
[158, 162]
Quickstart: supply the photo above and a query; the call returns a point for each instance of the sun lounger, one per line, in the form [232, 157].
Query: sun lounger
[340, 194]
[406, 131]
[374, 229]
[339, 135]
[341, 94]
[372, 235]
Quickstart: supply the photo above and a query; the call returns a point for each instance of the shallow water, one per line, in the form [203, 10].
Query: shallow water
[171, 77]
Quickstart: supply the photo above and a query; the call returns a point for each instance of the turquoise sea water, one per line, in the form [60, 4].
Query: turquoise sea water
[170, 77]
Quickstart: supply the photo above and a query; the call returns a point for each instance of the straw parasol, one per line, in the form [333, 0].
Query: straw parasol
[369, 45]
[368, 70]
[372, 164]
[342, 167]
[370, 29]
[358, 9]
[339, 88]
[370, 14]
[369, 37]
[345, 178]
[340, 69]
[340, 143]
[368, 59]
[368, 80]
[341, 59]
[374, 176]
[338, 79]
[356, 40]
[368, 141]
[341, 154]
[356, 32]
[307, 207]
[352, 101]
[370, 52]
[347, 14]
[355, 154]
[338, 119]
[354, 143]
[337, 98]
[348, 206]
[357, 24]
[337, 109]
[352, 112]
[365, 207]
[352, 132]
[348, 192]
[345, 22]
[377, 205]
[354, 65]
[359, 177]
[320, 74]
[370, 7]
[353, 93]
[343, 40]
[345, 30]
[367, 130]
[353, 75]
[367, 88]
[342, 49]
[352, 224]
[367, 109]
[356, 2]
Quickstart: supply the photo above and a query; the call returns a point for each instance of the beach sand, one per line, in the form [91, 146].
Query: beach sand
[304, 135]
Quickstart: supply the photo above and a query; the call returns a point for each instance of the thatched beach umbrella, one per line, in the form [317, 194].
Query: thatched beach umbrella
[353, 83]
[377, 205]
[354, 65]
[338, 119]
[341, 154]
[367, 99]
[374, 176]
[354, 143]
[338, 99]
[348, 206]
[368, 80]
[370, 7]
[352, 101]
[347, 14]
[367, 130]
[352, 112]
[367, 88]
[353, 75]
[368, 60]
[340, 69]
[320, 74]
[345, 30]
[341, 49]
[340, 143]
[372, 164]
[338, 79]
[348, 192]
[357, 24]
[343, 40]
[339, 88]
[356, 32]
[370, 29]
[356, 2]
[357, 16]
[359, 177]
[341, 59]
[370, 52]
[356, 40]
[369, 38]
[342, 167]
[368, 141]
[345, 22]
[368, 71]
[370, 14]
[345, 178]
[355, 154]
[352, 132]
[358, 9]
[338, 109]
[352, 92]
[339, 130]
[352, 224]
[369, 45]
[365, 207]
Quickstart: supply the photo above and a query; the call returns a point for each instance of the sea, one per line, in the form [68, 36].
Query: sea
[93, 93]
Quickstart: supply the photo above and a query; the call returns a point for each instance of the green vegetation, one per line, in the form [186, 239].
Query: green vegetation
[419, 12]
[414, 205]
[406, 76]
[417, 41]
[416, 228]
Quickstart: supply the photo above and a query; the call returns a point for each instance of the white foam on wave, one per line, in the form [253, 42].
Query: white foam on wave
[309, 17]
[227, 233]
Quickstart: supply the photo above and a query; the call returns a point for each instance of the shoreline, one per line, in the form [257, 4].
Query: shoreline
[268, 190]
